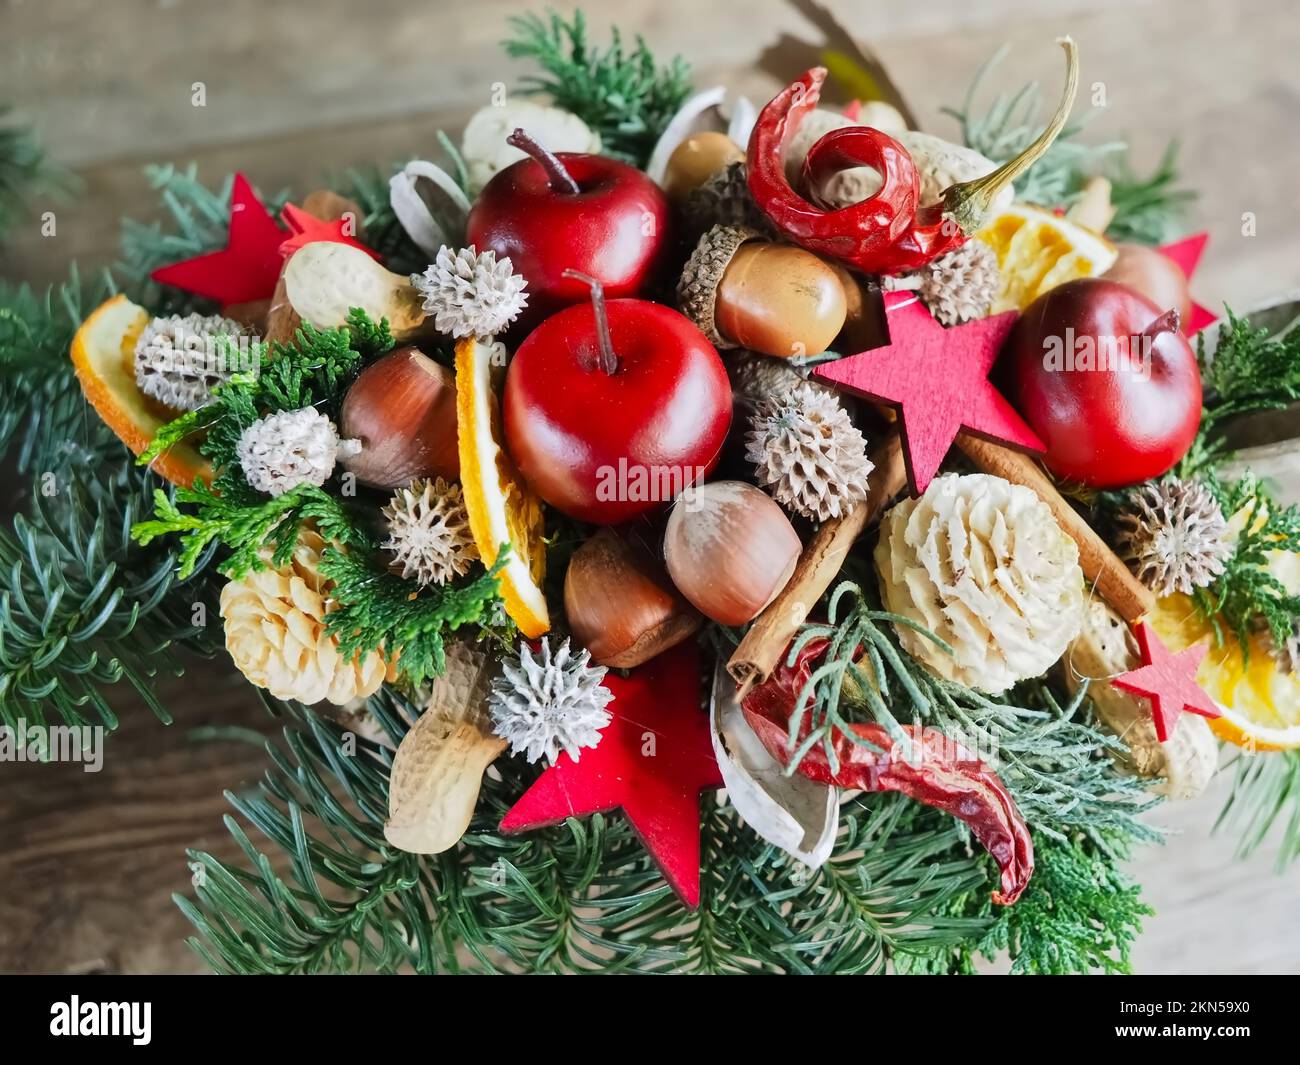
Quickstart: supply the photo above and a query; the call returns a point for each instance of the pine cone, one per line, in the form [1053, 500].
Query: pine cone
[291, 448]
[1174, 536]
[982, 564]
[275, 632]
[808, 453]
[962, 285]
[428, 532]
[177, 361]
[471, 293]
[545, 705]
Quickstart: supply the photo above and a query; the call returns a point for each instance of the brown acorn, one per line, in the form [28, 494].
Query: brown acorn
[777, 299]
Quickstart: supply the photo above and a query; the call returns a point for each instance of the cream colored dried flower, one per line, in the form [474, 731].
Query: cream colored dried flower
[290, 448]
[1173, 535]
[962, 285]
[983, 565]
[275, 632]
[178, 362]
[471, 293]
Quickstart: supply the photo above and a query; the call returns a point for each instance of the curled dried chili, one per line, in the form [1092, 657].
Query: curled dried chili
[890, 232]
[937, 771]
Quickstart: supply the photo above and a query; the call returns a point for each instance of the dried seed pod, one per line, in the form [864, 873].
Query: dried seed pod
[438, 768]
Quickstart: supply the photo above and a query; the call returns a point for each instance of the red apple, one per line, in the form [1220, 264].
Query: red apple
[1107, 380]
[606, 427]
[571, 211]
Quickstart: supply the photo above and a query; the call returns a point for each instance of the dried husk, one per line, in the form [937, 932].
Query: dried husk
[438, 768]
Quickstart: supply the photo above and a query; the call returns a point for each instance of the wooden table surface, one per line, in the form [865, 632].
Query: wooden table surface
[295, 91]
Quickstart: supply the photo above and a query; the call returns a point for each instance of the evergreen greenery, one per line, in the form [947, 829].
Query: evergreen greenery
[25, 171]
[625, 96]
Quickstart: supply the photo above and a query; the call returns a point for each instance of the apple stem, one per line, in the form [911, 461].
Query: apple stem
[608, 360]
[1166, 323]
[561, 180]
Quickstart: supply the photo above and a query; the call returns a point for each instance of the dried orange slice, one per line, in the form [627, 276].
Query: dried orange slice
[501, 508]
[1038, 250]
[103, 355]
[1260, 704]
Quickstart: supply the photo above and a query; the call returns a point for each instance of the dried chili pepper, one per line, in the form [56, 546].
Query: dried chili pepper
[937, 771]
[890, 232]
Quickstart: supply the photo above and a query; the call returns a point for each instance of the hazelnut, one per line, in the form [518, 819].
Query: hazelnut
[730, 550]
[620, 603]
[403, 410]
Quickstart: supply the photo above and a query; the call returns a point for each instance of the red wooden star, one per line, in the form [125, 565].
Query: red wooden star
[308, 229]
[1187, 254]
[938, 380]
[249, 265]
[1168, 680]
[653, 759]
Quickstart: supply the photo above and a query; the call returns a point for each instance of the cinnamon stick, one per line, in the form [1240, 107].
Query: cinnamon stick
[759, 652]
[1114, 583]
[282, 320]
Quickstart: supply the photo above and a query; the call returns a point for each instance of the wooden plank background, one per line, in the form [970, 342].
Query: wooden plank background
[296, 91]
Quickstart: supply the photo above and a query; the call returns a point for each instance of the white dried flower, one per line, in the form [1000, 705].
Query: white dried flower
[1174, 536]
[542, 706]
[983, 565]
[471, 294]
[177, 361]
[808, 453]
[428, 532]
[284, 450]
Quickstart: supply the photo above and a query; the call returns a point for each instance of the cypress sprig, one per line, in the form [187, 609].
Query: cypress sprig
[624, 95]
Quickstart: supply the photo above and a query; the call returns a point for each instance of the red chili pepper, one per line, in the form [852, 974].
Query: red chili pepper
[938, 772]
[890, 232]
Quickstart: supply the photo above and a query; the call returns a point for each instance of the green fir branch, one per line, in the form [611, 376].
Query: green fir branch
[1264, 805]
[45, 423]
[625, 96]
[25, 172]
[83, 609]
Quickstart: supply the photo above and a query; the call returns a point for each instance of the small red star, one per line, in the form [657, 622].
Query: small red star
[1168, 680]
[938, 380]
[249, 265]
[653, 759]
[1187, 254]
[308, 229]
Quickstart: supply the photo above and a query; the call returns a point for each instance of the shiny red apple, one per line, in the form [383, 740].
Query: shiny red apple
[1107, 380]
[571, 211]
[611, 409]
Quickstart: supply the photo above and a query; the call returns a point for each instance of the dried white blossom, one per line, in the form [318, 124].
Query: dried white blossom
[553, 703]
[428, 532]
[983, 565]
[471, 293]
[284, 450]
[178, 362]
[962, 285]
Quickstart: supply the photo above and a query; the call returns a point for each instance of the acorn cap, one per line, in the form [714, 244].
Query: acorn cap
[697, 288]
